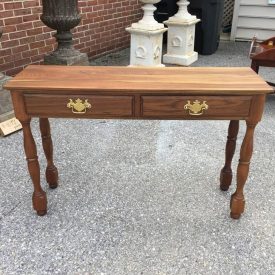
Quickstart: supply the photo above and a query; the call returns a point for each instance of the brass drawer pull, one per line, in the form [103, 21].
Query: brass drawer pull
[196, 108]
[78, 106]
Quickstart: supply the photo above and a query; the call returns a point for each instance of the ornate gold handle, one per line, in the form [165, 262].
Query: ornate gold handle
[196, 108]
[78, 106]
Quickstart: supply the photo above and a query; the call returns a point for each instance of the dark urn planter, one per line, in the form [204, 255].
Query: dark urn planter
[63, 16]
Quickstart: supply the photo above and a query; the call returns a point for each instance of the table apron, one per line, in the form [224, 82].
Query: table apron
[138, 106]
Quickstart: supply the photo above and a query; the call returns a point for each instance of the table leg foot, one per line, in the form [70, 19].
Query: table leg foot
[235, 216]
[39, 201]
[52, 176]
[237, 205]
[41, 212]
[225, 179]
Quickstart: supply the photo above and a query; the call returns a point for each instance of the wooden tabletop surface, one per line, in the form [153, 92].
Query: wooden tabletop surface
[200, 80]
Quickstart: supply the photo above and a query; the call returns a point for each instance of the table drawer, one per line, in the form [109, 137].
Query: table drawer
[79, 105]
[196, 106]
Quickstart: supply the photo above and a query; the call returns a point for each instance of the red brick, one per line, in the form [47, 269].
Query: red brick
[5, 52]
[14, 71]
[47, 29]
[98, 7]
[33, 3]
[85, 39]
[7, 66]
[7, 59]
[37, 10]
[31, 17]
[37, 58]
[13, 20]
[10, 44]
[5, 37]
[92, 2]
[9, 29]
[79, 46]
[42, 36]
[27, 40]
[13, 5]
[22, 62]
[2, 60]
[50, 41]
[21, 48]
[5, 14]
[46, 49]
[18, 12]
[38, 24]
[24, 26]
[34, 31]
[30, 53]
[16, 35]
[13, 57]
[37, 45]
[82, 4]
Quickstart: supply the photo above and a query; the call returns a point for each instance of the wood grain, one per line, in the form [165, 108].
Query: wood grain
[237, 199]
[51, 170]
[212, 80]
[39, 196]
[101, 106]
[173, 106]
[226, 172]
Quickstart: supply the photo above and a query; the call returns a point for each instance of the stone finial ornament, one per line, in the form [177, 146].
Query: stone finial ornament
[181, 37]
[146, 38]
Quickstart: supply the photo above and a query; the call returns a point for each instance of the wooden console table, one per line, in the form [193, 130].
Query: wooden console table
[138, 93]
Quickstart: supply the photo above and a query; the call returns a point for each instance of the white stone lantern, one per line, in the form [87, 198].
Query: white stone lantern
[181, 37]
[146, 38]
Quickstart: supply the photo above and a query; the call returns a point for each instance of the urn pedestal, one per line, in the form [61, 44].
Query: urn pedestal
[181, 37]
[147, 38]
[63, 16]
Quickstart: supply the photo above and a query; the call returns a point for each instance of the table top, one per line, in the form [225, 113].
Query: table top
[197, 80]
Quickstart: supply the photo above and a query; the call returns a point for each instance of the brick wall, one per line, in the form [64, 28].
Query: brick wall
[26, 39]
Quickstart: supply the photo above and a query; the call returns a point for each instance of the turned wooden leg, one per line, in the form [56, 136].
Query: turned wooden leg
[51, 170]
[226, 172]
[39, 198]
[237, 199]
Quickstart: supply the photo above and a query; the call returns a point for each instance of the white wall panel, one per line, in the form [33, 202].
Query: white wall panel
[253, 17]
[256, 23]
[257, 11]
[248, 34]
[254, 2]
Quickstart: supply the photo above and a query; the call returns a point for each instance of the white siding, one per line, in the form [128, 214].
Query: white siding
[254, 2]
[253, 17]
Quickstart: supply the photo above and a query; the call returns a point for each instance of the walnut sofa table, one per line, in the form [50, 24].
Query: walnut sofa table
[138, 93]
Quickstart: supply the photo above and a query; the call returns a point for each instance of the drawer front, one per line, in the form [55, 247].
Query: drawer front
[79, 105]
[196, 107]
